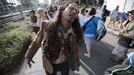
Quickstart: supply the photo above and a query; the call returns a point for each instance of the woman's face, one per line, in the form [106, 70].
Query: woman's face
[40, 12]
[71, 12]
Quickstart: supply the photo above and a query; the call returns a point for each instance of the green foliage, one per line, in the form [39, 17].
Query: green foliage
[12, 40]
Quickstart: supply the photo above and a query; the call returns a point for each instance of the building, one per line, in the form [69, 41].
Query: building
[124, 5]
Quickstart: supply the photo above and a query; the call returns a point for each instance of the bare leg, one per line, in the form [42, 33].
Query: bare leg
[88, 48]
[109, 22]
[113, 27]
[121, 26]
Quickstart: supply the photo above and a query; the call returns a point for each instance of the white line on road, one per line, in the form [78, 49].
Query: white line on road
[87, 67]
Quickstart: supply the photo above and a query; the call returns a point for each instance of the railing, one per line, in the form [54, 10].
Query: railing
[13, 17]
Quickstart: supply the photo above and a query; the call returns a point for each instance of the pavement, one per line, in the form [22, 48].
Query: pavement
[95, 65]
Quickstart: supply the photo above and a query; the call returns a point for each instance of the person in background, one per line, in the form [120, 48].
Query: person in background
[129, 60]
[125, 38]
[104, 13]
[41, 16]
[55, 8]
[58, 40]
[90, 30]
[86, 11]
[114, 16]
[33, 16]
[122, 18]
[82, 16]
[51, 11]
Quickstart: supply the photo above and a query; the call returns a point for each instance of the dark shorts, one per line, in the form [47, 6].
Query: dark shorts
[63, 68]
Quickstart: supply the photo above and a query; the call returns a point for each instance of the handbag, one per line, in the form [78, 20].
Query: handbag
[47, 64]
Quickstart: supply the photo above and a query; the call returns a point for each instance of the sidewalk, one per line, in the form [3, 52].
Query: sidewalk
[85, 68]
[37, 67]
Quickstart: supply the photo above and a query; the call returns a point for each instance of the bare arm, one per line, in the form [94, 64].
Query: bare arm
[129, 35]
[125, 62]
[35, 45]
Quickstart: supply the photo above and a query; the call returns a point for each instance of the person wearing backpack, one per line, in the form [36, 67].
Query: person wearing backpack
[125, 40]
[58, 40]
[90, 29]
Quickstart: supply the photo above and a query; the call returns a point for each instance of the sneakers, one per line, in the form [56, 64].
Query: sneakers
[87, 55]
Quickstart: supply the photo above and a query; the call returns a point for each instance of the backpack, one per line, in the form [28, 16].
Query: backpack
[120, 70]
[101, 30]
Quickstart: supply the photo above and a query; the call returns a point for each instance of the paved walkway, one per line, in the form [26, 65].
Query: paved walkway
[37, 67]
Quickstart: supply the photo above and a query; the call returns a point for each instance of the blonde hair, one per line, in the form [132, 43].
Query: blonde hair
[39, 9]
[38, 12]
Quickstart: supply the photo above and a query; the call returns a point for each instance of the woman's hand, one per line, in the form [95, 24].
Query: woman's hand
[28, 60]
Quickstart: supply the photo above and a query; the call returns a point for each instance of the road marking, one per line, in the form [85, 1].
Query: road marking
[87, 67]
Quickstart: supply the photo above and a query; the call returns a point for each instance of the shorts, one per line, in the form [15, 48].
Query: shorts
[120, 51]
[113, 18]
[88, 40]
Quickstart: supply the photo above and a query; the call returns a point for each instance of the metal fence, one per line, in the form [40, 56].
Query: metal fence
[13, 17]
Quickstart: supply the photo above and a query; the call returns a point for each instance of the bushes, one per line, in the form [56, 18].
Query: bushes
[12, 40]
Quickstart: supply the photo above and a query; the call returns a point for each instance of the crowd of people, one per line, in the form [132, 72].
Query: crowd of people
[58, 31]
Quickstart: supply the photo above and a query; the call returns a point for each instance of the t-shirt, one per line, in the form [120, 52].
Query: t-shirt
[82, 19]
[114, 13]
[91, 26]
[128, 28]
[123, 16]
[131, 58]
